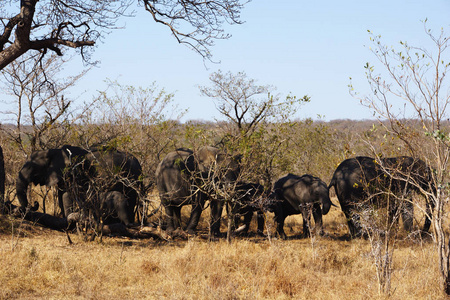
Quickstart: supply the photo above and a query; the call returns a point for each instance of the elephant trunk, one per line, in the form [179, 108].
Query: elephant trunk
[21, 190]
[326, 205]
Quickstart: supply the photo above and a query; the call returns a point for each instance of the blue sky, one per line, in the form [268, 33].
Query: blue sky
[300, 47]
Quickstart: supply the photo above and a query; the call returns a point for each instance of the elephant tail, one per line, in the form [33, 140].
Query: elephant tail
[332, 183]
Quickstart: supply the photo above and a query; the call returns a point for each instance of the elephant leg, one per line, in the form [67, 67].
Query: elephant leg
[236, 220]
[68, 206]
[61, 203]
[216, 215]
[177, 217]
[260, 220]
[248, 215]
[407, 215]
[170, 219]
[393, 211]
[352, 220]
[279, 221]
[317, 214]
[196, 212]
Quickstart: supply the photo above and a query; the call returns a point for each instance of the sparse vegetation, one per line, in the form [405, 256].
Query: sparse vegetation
[43, 264]
[40, 263]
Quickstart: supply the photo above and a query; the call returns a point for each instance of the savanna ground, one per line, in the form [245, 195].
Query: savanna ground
[40, 263]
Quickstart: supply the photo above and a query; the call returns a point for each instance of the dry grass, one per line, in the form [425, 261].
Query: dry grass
[42, 264]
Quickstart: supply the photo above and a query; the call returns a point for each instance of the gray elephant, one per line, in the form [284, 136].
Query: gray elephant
[362, 181]
[294, 194]
[218, 174]
[173, 180]
[249, 199]
[116, 207]
[187, 178]
[46, 167]
[109, 185]
[78, 172]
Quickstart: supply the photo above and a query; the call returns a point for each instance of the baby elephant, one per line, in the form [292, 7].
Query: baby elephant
[294, 194]
[249, 200]
[116, 208]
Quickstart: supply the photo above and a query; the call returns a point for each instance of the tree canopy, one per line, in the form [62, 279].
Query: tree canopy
[44, 25]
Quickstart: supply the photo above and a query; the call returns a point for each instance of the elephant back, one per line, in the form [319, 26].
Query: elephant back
[181, 159]
[354, 174]
[113, 163]
[212, 162]
[404, 169]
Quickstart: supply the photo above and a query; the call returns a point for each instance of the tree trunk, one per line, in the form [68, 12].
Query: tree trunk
[2, 181]
[230, 216]
[447, 277]
[442, 245]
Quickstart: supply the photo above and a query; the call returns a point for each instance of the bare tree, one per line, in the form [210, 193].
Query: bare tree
[413, 83]
[136, 119]
[253, 112]
[257, 119]
[38, 104]
[53, 24]
[247, 104]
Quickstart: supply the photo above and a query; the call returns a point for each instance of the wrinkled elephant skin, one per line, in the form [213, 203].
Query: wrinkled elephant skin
[357, 180]
[300, 194]
[179, 176]
[73, 169]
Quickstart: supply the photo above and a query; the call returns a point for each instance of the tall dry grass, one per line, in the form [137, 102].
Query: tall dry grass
[42, 264]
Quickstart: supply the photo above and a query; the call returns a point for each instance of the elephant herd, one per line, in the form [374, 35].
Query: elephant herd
[100, 180]
[106, 184]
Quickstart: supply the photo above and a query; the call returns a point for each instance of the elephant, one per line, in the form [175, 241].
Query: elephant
[293, 194]
[218, 174]
[78, 172]
[46, 167]
[249, 199]
[110, 184]
[185, 177]
[362, 181]
[173, 177]
[116, 207]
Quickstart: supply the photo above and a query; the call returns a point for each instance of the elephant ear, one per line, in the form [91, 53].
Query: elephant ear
[56, 162]
[206, 157]
[35, 169]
